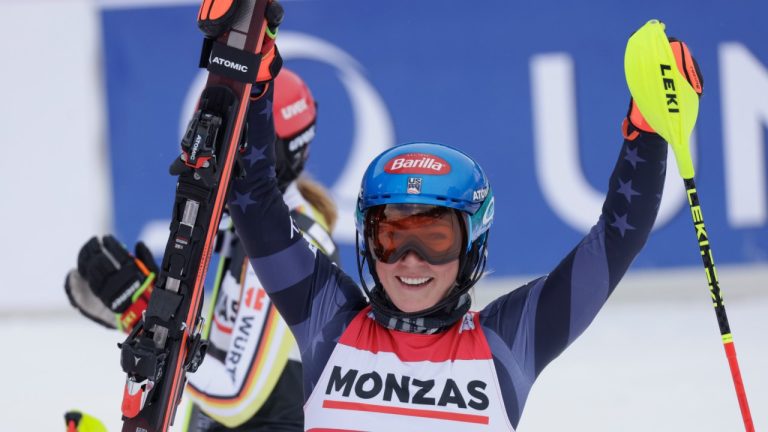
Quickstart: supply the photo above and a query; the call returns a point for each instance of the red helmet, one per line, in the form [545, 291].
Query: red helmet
[295, 113]
[294, 106]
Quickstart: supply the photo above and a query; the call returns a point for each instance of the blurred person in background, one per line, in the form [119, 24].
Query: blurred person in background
[251, 377]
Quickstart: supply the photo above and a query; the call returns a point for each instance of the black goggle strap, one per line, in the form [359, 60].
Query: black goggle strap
[362, 257]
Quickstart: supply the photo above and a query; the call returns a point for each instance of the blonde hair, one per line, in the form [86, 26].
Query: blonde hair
[319, 198]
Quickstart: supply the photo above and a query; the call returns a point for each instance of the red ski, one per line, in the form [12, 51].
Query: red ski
[167, 343]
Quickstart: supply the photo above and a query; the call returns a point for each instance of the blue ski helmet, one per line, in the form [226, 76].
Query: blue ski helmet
[432, 174]
[429, 174]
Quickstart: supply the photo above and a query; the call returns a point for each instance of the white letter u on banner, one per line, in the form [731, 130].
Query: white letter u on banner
[556, 149]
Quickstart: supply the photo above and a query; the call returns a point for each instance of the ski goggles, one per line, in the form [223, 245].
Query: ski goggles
[435, 233]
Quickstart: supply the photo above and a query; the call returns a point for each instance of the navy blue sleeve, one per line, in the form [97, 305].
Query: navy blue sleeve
[532, 325]
[312, 294]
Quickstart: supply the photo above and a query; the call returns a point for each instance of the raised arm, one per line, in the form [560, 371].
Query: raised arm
[541, 319]
[560, 306]
[312, 294]
[532, 325]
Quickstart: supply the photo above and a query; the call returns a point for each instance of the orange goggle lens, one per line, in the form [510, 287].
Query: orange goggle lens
[435, 233]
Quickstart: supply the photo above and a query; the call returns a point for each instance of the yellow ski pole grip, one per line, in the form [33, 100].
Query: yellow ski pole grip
[663, 95]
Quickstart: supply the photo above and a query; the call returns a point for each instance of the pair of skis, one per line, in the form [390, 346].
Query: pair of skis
[167, 342]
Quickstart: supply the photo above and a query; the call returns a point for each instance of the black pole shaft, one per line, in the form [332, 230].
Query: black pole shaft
[705, 248]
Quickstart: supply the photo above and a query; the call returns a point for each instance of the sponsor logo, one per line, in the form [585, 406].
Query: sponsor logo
[195, 147]
[229, 64]
[302, 140]
[417, 163]
[480, 194]
[294, 109]
[669, 86]
[226, 311]
[414, 185]
[489, 211]
[238, 346]
[407, 389]
[128, 318]
[125, 295]
[704, 247]
[467, 323]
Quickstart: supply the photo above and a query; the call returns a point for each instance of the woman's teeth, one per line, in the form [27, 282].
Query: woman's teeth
[414, 281]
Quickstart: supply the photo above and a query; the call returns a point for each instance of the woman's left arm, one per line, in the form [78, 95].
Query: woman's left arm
[538, 321]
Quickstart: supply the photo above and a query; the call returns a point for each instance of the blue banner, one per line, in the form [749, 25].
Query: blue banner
[534, 91]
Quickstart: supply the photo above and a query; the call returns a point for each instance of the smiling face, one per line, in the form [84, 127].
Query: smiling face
[413, 284]
[416, 249]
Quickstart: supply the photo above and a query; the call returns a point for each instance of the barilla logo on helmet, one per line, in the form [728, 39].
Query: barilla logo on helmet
[417, 163]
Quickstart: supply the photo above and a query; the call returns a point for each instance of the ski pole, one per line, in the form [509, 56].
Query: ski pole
[670, 105]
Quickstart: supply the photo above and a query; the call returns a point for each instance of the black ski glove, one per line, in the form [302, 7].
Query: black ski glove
[111, 286]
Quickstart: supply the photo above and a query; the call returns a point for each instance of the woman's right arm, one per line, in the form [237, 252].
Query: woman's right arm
[313, 295]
